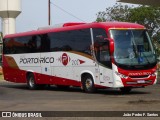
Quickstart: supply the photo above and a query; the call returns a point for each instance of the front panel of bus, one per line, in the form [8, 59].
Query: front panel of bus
[134, 57]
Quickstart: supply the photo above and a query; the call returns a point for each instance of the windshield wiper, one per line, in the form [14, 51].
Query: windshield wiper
[135, 49]
[146, 58]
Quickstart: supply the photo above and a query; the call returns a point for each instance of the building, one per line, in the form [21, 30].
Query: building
[9, 10]
[143, 2]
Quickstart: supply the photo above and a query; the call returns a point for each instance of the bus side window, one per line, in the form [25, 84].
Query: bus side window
[104, 53]
[45, 43]
[38, 43]
[75, 40]
[82, 41]
[32, 44]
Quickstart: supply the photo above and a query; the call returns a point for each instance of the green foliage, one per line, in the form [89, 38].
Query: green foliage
[148, 16]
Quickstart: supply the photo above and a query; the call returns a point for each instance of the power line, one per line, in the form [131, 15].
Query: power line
[49, 12]
[67, 12]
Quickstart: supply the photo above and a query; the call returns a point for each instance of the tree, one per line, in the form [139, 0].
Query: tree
[116, 13]
[148, 16]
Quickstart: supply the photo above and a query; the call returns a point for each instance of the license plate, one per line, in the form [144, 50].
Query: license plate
[141, 81]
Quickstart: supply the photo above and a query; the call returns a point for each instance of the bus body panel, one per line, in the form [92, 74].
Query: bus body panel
[60, 72]
[106, 76]
[134, 78]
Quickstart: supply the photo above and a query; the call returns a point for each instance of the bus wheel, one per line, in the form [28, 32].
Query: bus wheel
[31, 82]
[126, 90]
[88, 84]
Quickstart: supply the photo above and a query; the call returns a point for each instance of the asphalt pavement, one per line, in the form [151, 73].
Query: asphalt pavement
[17, 97]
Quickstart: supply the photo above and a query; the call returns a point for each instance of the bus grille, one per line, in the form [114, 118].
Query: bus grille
[143, 76]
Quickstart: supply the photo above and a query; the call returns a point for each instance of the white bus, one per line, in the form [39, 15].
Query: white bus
[88, 55]
[1, 46]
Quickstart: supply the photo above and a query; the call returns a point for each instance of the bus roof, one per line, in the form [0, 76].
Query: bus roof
[74, 26]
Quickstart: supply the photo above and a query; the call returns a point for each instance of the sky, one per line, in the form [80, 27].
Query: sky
[35, 12]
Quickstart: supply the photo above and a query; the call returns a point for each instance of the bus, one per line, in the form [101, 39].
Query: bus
[1, 44]
[92, 56]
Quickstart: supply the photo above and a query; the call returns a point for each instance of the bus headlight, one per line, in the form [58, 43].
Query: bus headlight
[154, 74]
[121, 75]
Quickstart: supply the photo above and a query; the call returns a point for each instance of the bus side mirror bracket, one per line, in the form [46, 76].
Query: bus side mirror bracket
[111, 44]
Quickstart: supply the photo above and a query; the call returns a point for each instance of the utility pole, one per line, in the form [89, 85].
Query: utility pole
[49, 12]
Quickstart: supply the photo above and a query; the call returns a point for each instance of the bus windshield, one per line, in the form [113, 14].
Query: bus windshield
[133, 47]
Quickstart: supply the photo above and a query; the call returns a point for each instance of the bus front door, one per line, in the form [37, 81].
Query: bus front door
[104, 60]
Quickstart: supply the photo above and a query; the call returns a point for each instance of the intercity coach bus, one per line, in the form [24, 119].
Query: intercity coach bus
[87, 55]
[1, 44]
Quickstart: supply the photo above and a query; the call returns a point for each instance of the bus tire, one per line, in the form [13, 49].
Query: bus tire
[31, 82]
[126, 90]
[88, 84]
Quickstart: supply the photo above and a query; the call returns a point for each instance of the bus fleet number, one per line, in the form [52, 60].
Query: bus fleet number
[75, 62]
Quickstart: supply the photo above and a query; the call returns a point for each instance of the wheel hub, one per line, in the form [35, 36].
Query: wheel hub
[89, 83]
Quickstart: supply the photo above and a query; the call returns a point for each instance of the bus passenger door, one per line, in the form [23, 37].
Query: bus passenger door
[101, 52]
[104, 62]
